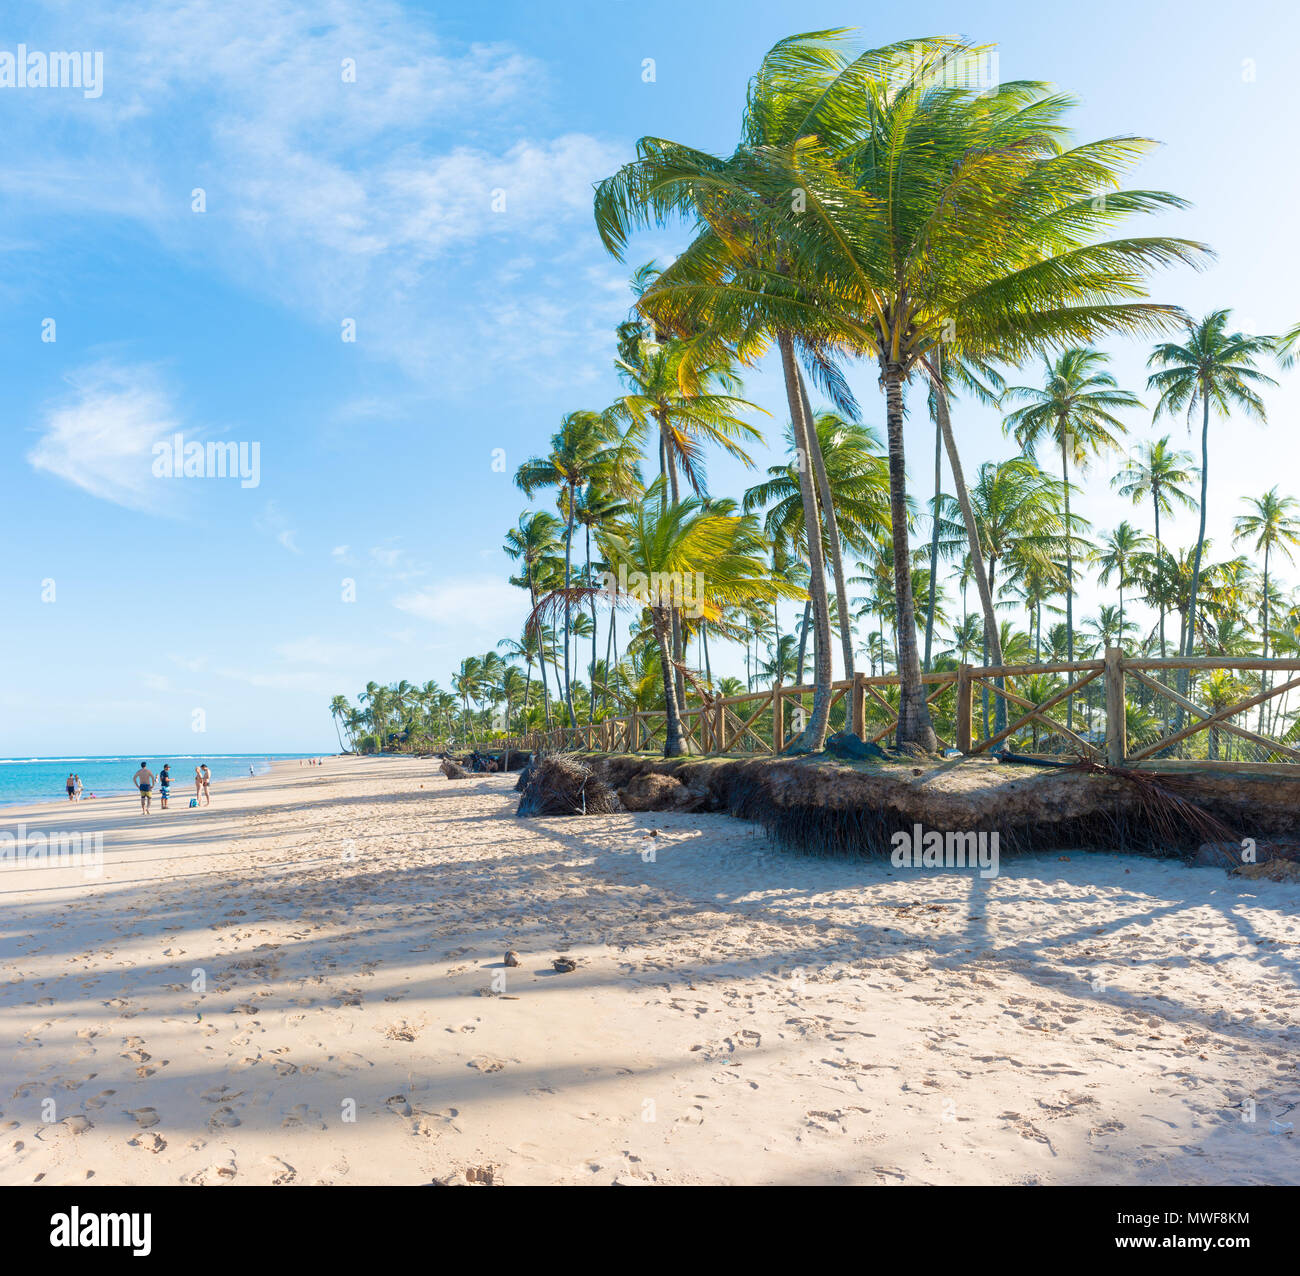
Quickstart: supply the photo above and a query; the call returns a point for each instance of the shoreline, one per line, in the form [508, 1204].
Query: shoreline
[737, 1014]
[12, 806]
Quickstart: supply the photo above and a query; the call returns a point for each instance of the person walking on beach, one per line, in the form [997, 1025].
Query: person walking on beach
[164, 783]
[198, 786]
[144, 779]
[77, 788]
[72, 785]
[205, 777]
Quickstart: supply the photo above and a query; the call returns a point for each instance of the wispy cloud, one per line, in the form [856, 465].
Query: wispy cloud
[101, 437]
[345, 153]
[475, 611]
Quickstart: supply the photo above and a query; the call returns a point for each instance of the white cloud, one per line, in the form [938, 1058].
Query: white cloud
[477, 611]
[101, 439]
[337, 199]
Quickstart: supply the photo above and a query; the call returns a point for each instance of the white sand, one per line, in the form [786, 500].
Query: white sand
[738, 1015]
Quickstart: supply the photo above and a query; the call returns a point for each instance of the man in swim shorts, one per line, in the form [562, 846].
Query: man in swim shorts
[144, 779]
[165, 783]
[72, 785]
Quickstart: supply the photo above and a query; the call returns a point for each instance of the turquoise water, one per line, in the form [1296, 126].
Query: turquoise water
[45, 779]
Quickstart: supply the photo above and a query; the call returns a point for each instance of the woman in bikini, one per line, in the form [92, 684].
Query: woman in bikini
[206, 777]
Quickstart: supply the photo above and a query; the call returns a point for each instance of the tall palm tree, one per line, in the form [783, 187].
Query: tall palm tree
[857, 478]
[339, 709]
[533, 540]
[665, 542]
[1160, 473]
[1271, 524]
[1210, 368]
[1118, 555]
[1074, 410]
[468, 683]
[920, 214]
[586, 448]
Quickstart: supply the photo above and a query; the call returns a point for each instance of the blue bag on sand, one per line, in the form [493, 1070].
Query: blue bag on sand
[194, 801]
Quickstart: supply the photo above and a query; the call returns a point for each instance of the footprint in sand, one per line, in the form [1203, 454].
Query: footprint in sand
[223, 1118]
[100, 1099]
[485, 1063]
[148, 1142]
[300, 1116]
[221, 1094]
[77, 1123]
[217, 1172]
[282, 1172]
[144, 1117]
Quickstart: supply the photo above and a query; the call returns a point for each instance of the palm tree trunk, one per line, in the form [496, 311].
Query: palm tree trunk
[992, 635]
[1200, 535]
[913, 713]
[803, 638]
[1069, 578]
[1264, 678]
[826, 499]
[813, 737]
[1159, 551]
[673, 727]
[591, 679]
[541, 653]
[568, 567]
[934, 545]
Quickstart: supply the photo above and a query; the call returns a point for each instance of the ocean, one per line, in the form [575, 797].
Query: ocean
[45, 779]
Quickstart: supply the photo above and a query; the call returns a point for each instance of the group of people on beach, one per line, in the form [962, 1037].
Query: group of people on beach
[145, 780]
[74, 789]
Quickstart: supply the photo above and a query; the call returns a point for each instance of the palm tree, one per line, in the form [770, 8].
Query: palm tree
[857, 478]
[663, 544]
[587, 447]
[376, 698]
[1074, 410]
[1159, 473]
[673, 388]
[1109, 626]
[1271, 524]
[467, 682]
[339, 709]
[1118, 555]
[921, 214]
[1212, 367]
[533, 540]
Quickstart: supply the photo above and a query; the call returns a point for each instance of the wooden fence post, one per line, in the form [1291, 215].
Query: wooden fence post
[634, 734]
[778, 719]
[859, 694]
[963, 709]
[1116, 721]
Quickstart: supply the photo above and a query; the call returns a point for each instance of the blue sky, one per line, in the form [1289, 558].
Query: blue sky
[476, 329]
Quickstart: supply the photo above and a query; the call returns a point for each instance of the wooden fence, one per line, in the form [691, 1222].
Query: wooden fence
[1173, 729]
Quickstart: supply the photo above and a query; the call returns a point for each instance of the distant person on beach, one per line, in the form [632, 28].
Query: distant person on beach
[77, 779]
[205, 777]
[144, 780]
[198, 786]
[72, 785]
[164, 783]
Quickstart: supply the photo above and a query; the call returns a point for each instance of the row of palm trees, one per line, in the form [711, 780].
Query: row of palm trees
[875, 210]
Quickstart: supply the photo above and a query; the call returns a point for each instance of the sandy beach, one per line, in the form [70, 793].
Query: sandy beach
[305, 984]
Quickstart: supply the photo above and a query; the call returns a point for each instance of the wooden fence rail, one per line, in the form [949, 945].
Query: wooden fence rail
[765, 722]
